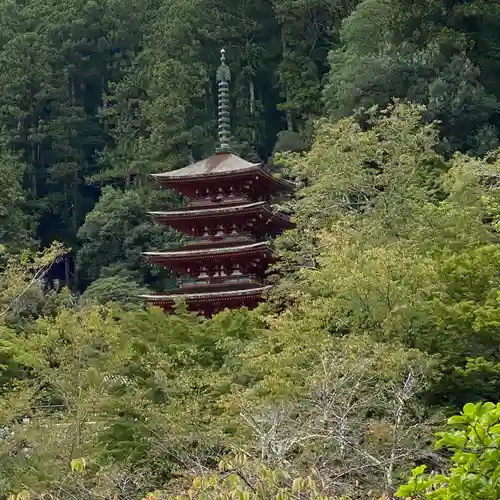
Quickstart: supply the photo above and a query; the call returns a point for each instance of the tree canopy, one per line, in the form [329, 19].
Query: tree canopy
[383, 318]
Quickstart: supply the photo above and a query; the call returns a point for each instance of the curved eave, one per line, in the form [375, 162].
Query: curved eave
[223, 163]
[165, 178]
[257, 208]
[207, 296]
[254, 170]
[281, 184]
[216, 253]
[210, 212]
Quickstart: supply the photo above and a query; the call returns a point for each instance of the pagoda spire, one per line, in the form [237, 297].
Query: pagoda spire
[223, 79]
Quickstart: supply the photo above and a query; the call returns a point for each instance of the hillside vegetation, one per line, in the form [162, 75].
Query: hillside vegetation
[383, 321]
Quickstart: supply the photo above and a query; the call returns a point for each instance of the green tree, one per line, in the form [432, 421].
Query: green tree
[114, 289]
[426, 52]
[474, 471]
[240, 477]
[57, 59]
[307, 31]
[395, 242]
[118, 230]
[120, 388]
[22, 279]
[16, 228]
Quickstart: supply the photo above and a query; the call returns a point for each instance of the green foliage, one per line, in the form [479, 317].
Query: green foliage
[427, 52]
[57, 58]
[137, 394]
[237, 478]
[113, 387]
[385, 312]
[118, 230]
[15, 227]
[395, 242]
[114, 289]
[21, 286]
[475, 469]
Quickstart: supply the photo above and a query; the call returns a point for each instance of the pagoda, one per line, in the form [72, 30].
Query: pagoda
[228, 220]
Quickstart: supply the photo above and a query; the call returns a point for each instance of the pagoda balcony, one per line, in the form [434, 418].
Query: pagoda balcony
[220, 239]
[217, 201]
[220, 253]
[218, 262]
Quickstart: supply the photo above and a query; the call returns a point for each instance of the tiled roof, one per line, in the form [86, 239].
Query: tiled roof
[204, 251]
[221, 163]
[206, 295]
[211, 211]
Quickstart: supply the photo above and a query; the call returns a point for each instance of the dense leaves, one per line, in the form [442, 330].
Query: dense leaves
[426, 51]
[391, 294]
[118, 230]
[385, 312]
[475, 466]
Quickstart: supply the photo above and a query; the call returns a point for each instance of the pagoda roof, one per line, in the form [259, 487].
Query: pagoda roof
[212, 252]
[220, 163]
[206, 296]
[243, 209]
[218, 166]
[213, 211]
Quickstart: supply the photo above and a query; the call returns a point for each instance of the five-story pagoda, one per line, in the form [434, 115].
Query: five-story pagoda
[228, 219]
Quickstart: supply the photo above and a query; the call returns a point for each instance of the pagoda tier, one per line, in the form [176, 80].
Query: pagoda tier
[254, 256]
[209, 303]
[257, 218]
[223, 175]
[217, 269]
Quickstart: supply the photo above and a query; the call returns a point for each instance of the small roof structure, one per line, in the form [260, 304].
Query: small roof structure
[265, 216]
[210, 212]
[178, 260]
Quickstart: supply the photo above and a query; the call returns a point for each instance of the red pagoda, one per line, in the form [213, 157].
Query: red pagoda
[228, 220]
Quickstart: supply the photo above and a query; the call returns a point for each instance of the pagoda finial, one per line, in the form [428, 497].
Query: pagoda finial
[223, 79]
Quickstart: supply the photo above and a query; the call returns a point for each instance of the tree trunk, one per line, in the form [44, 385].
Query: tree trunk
[33, 168]
[289, 121]
[252, 107]
[288, 111]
